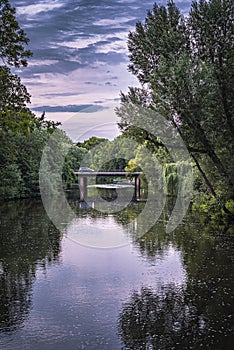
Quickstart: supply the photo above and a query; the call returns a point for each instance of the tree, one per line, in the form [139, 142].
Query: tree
[91, 142]
[14, 96]
[22, 135]
[12, 92]
[12, 38]
[14, 113]
[213, 43]
[185, 68]
[72, 163]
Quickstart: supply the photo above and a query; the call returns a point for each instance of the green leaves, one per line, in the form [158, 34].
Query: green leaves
[22, 135]
[186, 68]
[13, 101]
[163, 35]
[12, 38]
[14, 97]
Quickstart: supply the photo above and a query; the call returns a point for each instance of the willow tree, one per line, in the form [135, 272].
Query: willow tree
[185, 69]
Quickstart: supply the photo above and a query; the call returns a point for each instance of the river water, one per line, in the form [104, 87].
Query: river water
[159, 291]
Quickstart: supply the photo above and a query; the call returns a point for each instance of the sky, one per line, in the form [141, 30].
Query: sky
[80, 59]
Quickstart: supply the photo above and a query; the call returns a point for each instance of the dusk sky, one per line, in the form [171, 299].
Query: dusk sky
[80, 59]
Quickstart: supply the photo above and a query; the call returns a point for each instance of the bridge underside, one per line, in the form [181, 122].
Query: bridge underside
[83, 181]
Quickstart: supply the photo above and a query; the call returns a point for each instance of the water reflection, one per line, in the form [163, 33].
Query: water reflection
[28, 240]
[155, 241]
[198, 314]
[97, 228]
[97, 232]
[159, 320]
[161, 291]
[108, 228]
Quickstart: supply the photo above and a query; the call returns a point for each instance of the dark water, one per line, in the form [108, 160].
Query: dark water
[162, 291]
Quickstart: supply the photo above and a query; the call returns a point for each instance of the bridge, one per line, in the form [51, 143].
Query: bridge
[84, 175]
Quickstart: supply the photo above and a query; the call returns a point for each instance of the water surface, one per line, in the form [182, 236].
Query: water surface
[155, 292]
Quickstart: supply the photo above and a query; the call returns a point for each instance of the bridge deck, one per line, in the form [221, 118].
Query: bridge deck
[106, 173]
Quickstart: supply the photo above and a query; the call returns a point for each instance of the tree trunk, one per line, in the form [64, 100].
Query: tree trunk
[204, 176]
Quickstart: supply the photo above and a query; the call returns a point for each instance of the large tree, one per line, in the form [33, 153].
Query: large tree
[22, 134]
[185, 68]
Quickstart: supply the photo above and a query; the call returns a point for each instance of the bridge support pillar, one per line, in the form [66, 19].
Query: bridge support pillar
[83, 188]
[137, 193]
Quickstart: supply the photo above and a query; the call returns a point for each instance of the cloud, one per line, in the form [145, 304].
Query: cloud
[61, 94]
[86, 108]
[35, 9]
[114, 22]
[79, 49]
[58, 67]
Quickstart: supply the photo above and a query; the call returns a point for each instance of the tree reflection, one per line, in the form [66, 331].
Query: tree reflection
[159, 320]
[155, 241]
[171, 318]
[197, 315]
[27, 240]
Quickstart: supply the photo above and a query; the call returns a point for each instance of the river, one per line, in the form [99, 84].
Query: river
[159, 291]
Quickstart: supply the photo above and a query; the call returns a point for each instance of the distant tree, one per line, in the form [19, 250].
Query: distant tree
[72, 163]
[91, 142]
[109, 155]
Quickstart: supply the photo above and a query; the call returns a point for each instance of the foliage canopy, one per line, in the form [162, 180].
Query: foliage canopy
[185, 67]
